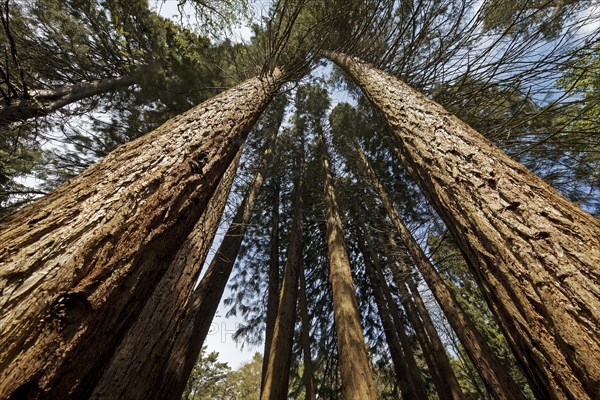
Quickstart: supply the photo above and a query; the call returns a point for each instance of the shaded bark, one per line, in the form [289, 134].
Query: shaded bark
[80, 263]
[356, 376]
[144, 351]
[280, 354]
[273, 285]
[308, 375]
[496, 378]
[534, 253]
[206, 297]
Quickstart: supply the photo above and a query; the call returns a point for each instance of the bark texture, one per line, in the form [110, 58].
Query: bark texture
[79, 264]
[145, 348]
[496, 378]
[356, 376]
[535, 254]
[280, 353]
[207, 296]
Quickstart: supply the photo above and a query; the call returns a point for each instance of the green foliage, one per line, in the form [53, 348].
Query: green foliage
[528, 15]
[211, 379]
[208, 379]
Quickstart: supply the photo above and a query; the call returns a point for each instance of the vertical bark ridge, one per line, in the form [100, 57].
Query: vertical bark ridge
[535, 254]
[79, 263]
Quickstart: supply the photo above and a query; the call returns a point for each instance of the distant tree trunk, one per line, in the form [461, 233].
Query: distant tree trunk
[38, 103]
[409, 355]
[206, 297]
[80, 263]
[280, 354]
[496, 378]
[534, 253]
[403, 377]
[142, 356]
[308, 375]
[357, 380]
[273, 285]
[434, 351]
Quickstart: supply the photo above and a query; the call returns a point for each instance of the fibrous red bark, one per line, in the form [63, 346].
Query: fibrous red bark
[534, 253]
[79, 264]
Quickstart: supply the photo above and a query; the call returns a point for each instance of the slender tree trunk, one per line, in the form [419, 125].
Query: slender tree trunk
[79, 264]
[145, 348]
[273, 285]
[308, 376]
[280, 354]
[409, 355]
[535, 254]
[357, 380]
[435, 353]
[206, 297]
[39, 103]
[403, 376]
[497, 379]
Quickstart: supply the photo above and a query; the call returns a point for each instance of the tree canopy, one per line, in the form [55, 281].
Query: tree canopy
[79, 78]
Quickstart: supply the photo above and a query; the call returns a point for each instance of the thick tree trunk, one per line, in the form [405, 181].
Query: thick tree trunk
[142, 355]
[403, 376]
[79, 264]
[535, 254]
[280, 354]
[357, 380]
[273, 285]
[39, 103]
[496, 378]
[206, 297]
[434, 351]
[308, 375]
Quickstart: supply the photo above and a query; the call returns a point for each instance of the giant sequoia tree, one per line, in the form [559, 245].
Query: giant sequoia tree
[425, 258]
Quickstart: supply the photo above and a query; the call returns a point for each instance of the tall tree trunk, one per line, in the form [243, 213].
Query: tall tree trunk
[80, 263]
[273, 285]
[434, 350]
[409, 355]
[145, 348]
[403, 375]
[535, 254]
[206, 297]
[280, 354]
[497, 379]
[437, 359]
[38, 103]
[308, 375]
[357, 380]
